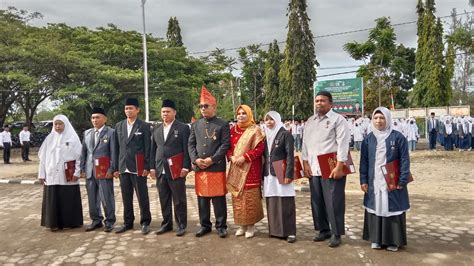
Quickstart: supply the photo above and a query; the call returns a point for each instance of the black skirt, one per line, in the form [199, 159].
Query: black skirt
[281, 215]
[62, 207]
[385, 230]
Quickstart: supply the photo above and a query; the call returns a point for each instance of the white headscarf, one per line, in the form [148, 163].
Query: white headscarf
[380, 186]
[448, 126]
[383, 134]
[381, 152]
[271, 133]
[50, 149]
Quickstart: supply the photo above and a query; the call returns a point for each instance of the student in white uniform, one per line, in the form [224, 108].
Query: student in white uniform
[412, 135]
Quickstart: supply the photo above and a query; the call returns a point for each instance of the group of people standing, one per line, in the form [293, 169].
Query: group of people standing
[6, 143]
[451, 132]
[362, 127]
[239, 160]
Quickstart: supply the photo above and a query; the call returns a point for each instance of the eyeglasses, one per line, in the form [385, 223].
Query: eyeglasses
[205, 106]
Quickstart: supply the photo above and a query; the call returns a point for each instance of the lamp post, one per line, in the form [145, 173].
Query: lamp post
[145, 65]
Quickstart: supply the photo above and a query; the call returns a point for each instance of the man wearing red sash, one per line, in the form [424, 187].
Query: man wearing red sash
[208, 145]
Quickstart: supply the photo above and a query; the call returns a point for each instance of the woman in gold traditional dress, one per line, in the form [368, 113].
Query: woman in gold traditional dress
[245, 173]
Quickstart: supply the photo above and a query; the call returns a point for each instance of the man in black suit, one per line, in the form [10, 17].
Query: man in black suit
[167, 140]
[208, 144]
[433, 128]
[133, 138]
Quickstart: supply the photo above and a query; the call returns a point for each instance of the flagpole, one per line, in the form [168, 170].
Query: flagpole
[145, 64]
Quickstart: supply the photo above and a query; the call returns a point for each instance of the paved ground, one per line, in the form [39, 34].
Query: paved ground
[441, 231]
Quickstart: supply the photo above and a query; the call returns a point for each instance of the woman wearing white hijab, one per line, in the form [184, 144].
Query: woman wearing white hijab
[384, 219]
[358, 135]
[448, 134]
[280, 198]
[464, 142]
[412, 134]
[62, 207]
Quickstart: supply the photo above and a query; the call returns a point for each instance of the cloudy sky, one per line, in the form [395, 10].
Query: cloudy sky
[207, 24]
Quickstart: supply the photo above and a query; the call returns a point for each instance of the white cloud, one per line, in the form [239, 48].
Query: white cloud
[207, 24]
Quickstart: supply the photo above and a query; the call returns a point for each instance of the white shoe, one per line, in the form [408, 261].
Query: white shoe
[392, 248]
[375, 246]
[241, 231]
[250, 231]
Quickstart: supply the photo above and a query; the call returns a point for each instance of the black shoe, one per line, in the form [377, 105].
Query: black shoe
[203, 231]
[145, 229]
[222, 232]
[322, 236]
[93, 226]
[28, 160]
[335, 241]
[123, 228]
[163, 230]
[180, 232]
[108, 228]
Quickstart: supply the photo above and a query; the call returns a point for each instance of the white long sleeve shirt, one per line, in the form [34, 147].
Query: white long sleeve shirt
[5, 137]
[25, 136]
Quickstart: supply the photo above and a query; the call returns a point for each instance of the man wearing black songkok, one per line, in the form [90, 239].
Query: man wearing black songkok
[133, 141]
[170, 164]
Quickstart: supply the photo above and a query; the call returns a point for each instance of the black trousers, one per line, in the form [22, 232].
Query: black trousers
[328, 204]
[6, 152]
[129, 183]
[25, 150]
[220, 211]
[172, 192]
[432, 137]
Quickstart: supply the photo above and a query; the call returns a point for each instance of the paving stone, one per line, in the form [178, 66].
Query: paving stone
[88, 261]
[104, 257]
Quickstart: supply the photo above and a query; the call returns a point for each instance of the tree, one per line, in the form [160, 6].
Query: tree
[298, 72]
[388, 68]
[459, 58]
[403, 74]
[431, 88]
[80, 68]
[253, 66]
[13, 28]
[220, 82]
[44, 62]
[173, 34]
[270, 77]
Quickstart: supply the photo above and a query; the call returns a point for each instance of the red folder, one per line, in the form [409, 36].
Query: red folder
[102, 165]
[69, 169]
[298, 168]
[140, 163]
[280, 169]
[176, 164]
[391, 172]
[327, 162]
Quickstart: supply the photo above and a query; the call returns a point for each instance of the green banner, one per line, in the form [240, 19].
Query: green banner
[347, 94]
